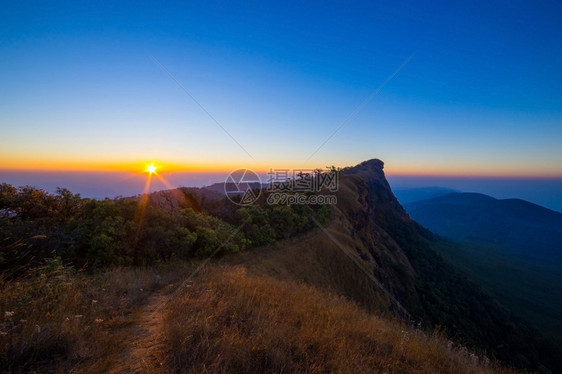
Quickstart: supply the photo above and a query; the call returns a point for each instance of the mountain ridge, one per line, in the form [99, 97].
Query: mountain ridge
[369, 221]
[459, 216]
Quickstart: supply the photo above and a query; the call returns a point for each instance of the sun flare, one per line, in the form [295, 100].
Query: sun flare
[151, 169]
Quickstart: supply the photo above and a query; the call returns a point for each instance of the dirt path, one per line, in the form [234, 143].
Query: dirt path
[147, 346]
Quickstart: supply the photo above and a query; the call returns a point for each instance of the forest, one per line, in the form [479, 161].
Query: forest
[144, 230]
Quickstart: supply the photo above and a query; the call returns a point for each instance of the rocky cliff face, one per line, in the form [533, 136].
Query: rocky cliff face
[434, 293]
[375, 254]
[367, 206]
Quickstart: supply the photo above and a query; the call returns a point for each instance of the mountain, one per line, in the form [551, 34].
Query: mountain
[512, 247]
[520, 228]
[375, 254]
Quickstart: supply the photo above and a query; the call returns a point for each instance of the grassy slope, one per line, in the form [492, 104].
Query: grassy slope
[299, 305]
[228, 319]
[315, 260]
[60, 321]
[232, 321]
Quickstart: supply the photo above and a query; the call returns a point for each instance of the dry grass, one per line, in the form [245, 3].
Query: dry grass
[314, 259]
[231, 322]
[225, 321]
[54, 320]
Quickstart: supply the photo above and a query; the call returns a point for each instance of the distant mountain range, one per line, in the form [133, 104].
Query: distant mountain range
[409, 195]
[511, 247]
[518, 228]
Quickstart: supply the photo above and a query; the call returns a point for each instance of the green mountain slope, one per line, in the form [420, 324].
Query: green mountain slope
[511, 247]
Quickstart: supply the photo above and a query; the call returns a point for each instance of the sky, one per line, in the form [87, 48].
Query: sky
[453, 88]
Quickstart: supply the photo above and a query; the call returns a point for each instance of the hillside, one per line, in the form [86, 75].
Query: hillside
[371, 234]
[229, 320]
[289, 283]
[520, 228]
[513, 248]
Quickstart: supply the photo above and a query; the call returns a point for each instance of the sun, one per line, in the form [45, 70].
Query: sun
[151, 169]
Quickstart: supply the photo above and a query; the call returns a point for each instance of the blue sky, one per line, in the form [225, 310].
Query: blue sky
[481, 95]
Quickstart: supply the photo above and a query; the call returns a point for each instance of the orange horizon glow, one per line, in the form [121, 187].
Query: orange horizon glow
[140, 167]
[468, 171]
